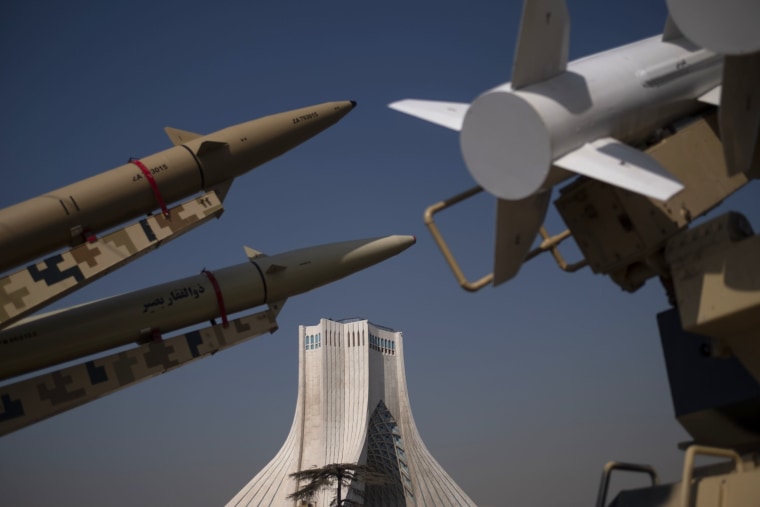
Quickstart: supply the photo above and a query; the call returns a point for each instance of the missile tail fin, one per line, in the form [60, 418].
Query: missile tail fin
[618, 164]
[252, 253]
[179, 137]
[275, 268]
[210, 146]
[275, 307]
[542, 44]
[671, 31]
[712, 97]
[445, 114]
[517, 225]
[222, 189]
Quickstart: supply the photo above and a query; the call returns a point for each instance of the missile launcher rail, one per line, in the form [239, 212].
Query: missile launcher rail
[29, 401]
[42, 283]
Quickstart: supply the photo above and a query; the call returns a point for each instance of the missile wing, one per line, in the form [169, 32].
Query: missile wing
[557, 119]
[445, 114]
[180, 137]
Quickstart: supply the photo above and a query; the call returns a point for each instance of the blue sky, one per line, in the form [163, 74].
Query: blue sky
[521, 392]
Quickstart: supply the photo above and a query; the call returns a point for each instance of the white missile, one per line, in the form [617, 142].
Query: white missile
[146, 314]
[556, 119]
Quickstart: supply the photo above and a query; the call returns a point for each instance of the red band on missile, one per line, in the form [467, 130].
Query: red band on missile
[219, 297]
[153, 185]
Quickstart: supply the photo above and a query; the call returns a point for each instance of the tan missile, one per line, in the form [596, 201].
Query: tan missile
[146, 314]
[197, 162]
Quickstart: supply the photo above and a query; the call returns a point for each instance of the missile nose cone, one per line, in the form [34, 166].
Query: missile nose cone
[389, 246]
[397, 241]
[351, 256]
[228, 153]
[301, 270]
[325, 114]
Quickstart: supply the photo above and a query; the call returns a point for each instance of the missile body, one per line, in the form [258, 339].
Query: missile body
[86, 329]
[513, 140]
[59, 218]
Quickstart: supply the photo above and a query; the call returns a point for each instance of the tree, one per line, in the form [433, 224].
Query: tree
[341, 474]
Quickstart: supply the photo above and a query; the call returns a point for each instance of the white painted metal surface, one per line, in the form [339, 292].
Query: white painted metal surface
[724, 26]
[589, 116]
[510, 138]
[346, 370]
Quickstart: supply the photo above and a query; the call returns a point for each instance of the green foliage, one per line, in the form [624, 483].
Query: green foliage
[339, 474]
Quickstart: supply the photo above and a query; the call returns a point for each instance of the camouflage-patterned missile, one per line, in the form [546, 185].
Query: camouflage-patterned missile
[145, 314]
[65, 216]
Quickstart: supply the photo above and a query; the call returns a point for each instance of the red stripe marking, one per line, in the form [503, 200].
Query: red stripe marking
[153, 185]
[219, 297]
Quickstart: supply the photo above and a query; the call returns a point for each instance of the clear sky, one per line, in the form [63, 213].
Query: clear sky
[521, 392]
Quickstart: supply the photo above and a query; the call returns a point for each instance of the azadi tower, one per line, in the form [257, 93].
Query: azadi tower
[353, 407]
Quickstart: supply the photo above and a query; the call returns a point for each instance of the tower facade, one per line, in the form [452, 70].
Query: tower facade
[353, 407]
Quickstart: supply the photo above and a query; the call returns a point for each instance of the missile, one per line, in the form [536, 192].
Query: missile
[579, 120]
[197, 162]
[146, 314]
[556, 119]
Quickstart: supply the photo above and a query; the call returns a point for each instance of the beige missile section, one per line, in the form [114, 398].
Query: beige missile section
[147, 314]
[71, 214]
[38, 398]
[26, 291]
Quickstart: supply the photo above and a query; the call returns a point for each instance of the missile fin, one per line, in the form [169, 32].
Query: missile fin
[222, 189]
[542, 44]
[275, 307]
[712, 97]
[618, 164]
[517, 225]
[275, 268]
[179, 137]
[210, 146]
[671, 31]
[445, 114]
[739, 114]
[252, 253]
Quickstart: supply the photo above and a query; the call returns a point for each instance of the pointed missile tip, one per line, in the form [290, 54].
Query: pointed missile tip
[408, 241]
[353, 104]
[396, 242]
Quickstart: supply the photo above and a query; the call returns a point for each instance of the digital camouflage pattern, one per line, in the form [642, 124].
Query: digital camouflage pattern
[42, 283]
